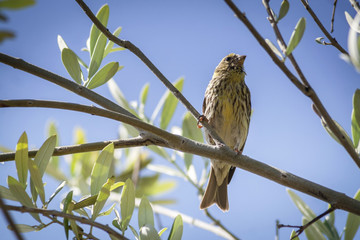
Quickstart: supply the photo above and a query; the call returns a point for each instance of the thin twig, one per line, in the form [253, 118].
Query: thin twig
[322, 28]
[306, 90]
[333, 16]
[89, 147]
[355, 5]
[336, 199]
[218, 223]
[10, 220]
[82, 220]
[303, 227]
[135, 50]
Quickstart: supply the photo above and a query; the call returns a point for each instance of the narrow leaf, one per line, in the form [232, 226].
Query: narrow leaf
[352, 222]
[58, 189]
[71, 64]
[36, 178]
[146, 214]
[284, 8]
[170, 105]
[312, 232]
[100, 171]
[307, 212]
[85, 202]
[103, 75]
[6, 194]
[23, 228]
[97, 56]
[21, 158]
[293, 234]
[11, 4]
[273, 48]
[176, 229]
[103, 16]
[342, 130]
[61, 43]
[102, 197]
[148, 232]
[67, 202]
[110, 44]
[296, 36]
[18, 191]
[162, 231]
[127, 203]
[44, 154]
[355, 118]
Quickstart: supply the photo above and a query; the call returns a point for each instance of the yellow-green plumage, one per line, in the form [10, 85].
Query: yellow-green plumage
[227, 108]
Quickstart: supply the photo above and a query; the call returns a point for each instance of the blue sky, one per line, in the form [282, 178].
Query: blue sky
[188, 39]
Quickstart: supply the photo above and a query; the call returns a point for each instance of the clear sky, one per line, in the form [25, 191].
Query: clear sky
[188, 39]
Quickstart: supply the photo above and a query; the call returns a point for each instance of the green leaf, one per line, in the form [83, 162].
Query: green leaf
[320, 40]
[36, 178]
[142, 99]
[190, 130]
[176, 229]
[355, 118]
[127, 203]
[107, 212]
[44, 154]
[116, 185]
[103, 16]
[85, 202]
[100, 171]
[273, 48]
[352, 222]
[110, 44]
[293, 234]
[160, 187]
[133, 230]
[119, 97]
[102, 197]
[284, 8]
[146, 214]
[307, 212]
[18, 191]
[296, 36]
[162, 231]
[21, 159]
[58, 189]
[342, 130]
[6, 194]
[16, 4]
[148, 232]
[71, 64]
[312, 232]
[97, 56]
[61, 43]
[104, 75]
[170, 105]
[6, 34]
[67, 202]
[23, 228]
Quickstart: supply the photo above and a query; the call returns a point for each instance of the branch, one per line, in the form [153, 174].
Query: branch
[223, 153]
[135, 50]
[322, 28]
[63, 82]
[10, 220]
[306, 90]
[82, 220]
[355, 5]
[333, 16]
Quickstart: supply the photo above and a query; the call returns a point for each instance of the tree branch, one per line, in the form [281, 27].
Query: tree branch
[135, 50]
[223, 153]
[10, 220]
[333, 16]
[322, 28]
[82, 220]
[355, 5]
[306, 90]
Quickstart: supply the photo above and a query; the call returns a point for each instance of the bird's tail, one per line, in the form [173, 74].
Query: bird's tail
[215, 194]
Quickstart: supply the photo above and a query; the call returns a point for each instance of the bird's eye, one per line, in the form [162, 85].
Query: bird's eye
[228, 59]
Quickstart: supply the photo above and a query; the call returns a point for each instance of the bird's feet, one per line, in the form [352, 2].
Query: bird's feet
[201, 119]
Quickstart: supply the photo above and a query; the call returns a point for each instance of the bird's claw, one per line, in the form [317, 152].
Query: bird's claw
[201, 119]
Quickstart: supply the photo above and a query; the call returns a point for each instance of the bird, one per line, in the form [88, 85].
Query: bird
[227, 109]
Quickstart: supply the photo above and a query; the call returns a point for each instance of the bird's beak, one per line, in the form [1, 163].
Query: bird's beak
[242, 59]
